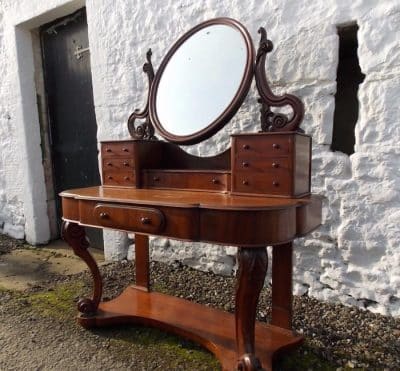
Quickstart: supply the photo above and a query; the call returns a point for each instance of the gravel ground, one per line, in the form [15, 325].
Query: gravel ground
[37, 331]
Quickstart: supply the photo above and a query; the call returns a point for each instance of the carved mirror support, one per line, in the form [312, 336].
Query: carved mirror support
[146, 129]
[272, 121]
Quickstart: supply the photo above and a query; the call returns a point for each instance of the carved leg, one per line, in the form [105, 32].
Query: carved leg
[75, 236]
[282, 294]
[142, 261]
[253, 264]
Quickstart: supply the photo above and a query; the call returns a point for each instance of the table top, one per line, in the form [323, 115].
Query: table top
[185, 199]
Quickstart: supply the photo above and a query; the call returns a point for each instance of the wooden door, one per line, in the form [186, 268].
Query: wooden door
[68, 84]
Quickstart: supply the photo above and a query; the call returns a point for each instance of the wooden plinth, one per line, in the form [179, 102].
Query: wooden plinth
[214, 329]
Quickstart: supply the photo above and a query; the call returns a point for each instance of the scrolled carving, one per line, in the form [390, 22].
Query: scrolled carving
[146, 129]
[271, 121]
[75, 236]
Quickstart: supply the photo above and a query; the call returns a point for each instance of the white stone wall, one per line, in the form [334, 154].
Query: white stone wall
[355, 256]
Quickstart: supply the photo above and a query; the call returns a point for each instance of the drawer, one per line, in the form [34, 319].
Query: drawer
[129, 218]
[117, 149]
[188, 180]
[120, 178]
[261, 164]
[117, 164]
[274, 184]
[263, 145]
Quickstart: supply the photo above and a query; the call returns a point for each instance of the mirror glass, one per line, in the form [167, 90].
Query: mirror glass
[200, 80]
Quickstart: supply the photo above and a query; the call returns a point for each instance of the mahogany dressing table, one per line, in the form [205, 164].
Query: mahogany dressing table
[253, 195]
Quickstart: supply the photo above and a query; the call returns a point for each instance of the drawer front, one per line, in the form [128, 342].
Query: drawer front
[116, 149]
[261, 164]
[137, 219]
[111, 164]
[196, 181]
[277, 184]
[122, 178]
[273, 145]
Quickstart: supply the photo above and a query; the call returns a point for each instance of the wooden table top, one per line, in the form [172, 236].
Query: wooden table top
[185, 199]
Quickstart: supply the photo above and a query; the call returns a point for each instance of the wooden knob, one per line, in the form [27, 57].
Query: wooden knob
[156, 178]
[245, 164]
[275, 164]
[245, 182]
[108, 150]
[145, 220]
[126, 177]
[275, 183]
[276, 146]
[215, 181]
[109, 163]
[126, 163]
[110, 177]
[246, 146]
[103, 215]
[125, 149]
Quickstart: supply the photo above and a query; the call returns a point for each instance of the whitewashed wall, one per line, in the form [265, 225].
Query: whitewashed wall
[355, 256]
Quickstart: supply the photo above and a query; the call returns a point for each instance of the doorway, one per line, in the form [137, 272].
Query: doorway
[71, 115]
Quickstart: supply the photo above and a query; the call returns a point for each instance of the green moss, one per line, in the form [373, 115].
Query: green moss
[303, 359]
[58, 303]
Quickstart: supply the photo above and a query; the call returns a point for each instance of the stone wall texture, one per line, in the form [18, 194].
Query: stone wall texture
[354, 257]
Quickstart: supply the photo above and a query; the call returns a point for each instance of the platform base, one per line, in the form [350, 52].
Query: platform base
[212, 328]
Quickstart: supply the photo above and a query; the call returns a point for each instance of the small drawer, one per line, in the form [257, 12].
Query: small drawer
[195, 180]
[117, 164]
[126, 178]
[261, 164]
[116, 149]
[279, 184]
[135, 219]
[263, 145]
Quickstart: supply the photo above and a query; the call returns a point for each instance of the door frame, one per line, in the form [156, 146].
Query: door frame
[33, 193]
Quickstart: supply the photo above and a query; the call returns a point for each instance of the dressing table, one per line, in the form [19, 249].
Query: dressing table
[253, 195]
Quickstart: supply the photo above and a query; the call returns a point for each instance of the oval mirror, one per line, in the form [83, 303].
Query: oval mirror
[202, 81]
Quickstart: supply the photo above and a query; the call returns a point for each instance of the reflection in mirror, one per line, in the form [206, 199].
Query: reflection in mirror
[201, 79]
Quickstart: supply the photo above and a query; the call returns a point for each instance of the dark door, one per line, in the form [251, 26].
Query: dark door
[72, 120]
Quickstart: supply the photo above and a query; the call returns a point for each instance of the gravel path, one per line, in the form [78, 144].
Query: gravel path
[37, 331]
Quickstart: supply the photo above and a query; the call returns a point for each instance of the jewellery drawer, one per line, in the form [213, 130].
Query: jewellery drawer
[116, 149]
[260, 164]
[120, 178]
[279, 184]
[262, 145]
[137, 219]
[188, 180]
[117, 164]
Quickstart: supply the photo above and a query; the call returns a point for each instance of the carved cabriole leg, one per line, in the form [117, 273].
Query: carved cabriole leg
[253, 264]
[75, 236]
[282, 294]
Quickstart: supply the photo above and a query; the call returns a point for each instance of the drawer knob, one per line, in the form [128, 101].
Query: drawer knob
[275, 165]
[145, 220]
[110, 177]
[108, 150]
[215, 181]
[275, 183]
[103, 215]
[126, 177]
[245, 164]
[276, 146]
[246, 146]
[109, 163]
[125, 149]
[245, 182]
[156, 178]
[126, 163]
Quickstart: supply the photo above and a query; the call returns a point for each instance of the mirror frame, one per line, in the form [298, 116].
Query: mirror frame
[233, 106]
